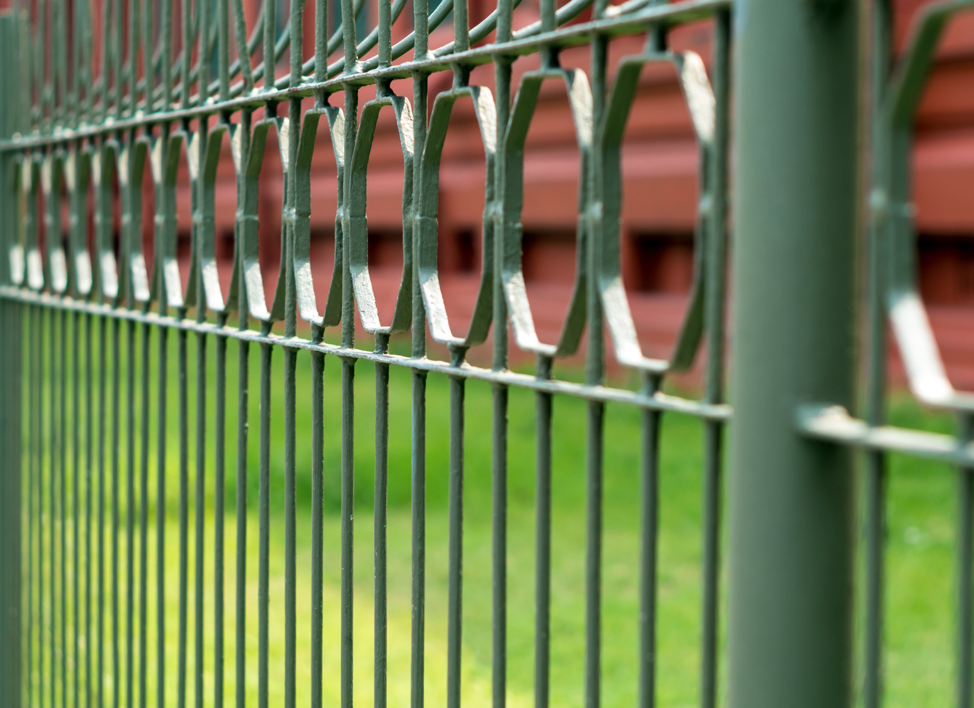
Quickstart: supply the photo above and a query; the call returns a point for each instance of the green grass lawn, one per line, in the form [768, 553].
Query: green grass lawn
[919, 605]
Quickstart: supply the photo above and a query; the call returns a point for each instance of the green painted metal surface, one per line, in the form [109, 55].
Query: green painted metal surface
[79, 501]
[150, 105]
[790, 502]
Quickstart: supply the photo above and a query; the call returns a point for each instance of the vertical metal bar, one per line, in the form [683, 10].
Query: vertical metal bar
[455, 569]
[89, 491]
[48, 462]
[10, 556]
[385, 32]
[240, 39]
[348, 375]
[548, 20]
[223, 48]
[499, 424]
[59, 379]
[41, 516]
[296, 56]
[52, 377]
[203, 59]
[965, 570]
[183, 405]
[133, 54]
[74, 93]
[130, 512]
[40, 73]
[347, 527]
[296, 36]
[37, 499]
[59, 50]
[348, 35]
[219, 497]
[26, 73]
[381, 495]
[106, 58]
[317, 524]
[116, 416]
[102, 417]
[243, 393]
[270, 37]
[199, 505]
[21, 468]
[148, 63]
[875, 531]
[162, 442]
[165, 13]
[17, 512]
[418, 486]
[715, 245]
[791, 569]
[186, 53]
[243, 401]
[162, 439]
[197, 201]
[875, 487]
[593, 554]
[321, 41]
[263, 530]
[648, 552]
[499, 537]
[18, 480]
[125, 64]
[76, 503]
[461, 26]
[542, 542]
[62, 386]
[88, 78]
[290, 504]
[118, 60]
[13, 555]
[595, 428]
[144, 515]
[713, 444]
[32, 506]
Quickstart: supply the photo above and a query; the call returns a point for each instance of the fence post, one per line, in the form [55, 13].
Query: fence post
[791, 500]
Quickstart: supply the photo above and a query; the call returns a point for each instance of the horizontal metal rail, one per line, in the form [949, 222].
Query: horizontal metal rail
[657, 401]
[834, 424]
[616, 23]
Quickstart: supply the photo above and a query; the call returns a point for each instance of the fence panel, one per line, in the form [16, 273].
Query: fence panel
[146, 86]
[126, 579]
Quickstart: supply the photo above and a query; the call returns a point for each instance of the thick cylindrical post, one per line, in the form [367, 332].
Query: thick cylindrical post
[791, 499]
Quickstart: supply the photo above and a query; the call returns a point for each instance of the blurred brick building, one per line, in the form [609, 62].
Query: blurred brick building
[660, 170]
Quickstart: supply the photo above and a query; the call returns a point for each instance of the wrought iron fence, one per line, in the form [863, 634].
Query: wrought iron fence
[71, 127]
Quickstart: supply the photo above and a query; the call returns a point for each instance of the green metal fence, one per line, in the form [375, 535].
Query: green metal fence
[76, 118]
